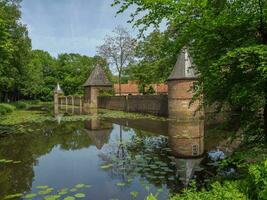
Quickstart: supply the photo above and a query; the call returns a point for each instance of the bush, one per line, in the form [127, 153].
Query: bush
[218, 191]
[257, 181]
[19, 104]
[6, 108]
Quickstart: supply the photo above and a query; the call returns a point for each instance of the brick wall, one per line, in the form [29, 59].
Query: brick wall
[150, 104]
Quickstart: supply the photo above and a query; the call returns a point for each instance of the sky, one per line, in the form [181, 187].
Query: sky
[71, 26]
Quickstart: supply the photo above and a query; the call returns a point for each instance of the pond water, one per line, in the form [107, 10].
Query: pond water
[107, 159]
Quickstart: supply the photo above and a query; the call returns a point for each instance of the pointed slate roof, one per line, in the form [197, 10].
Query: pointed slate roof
[97, 78]
[183, 68]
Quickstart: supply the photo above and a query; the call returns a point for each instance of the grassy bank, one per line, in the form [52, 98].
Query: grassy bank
[6, 108]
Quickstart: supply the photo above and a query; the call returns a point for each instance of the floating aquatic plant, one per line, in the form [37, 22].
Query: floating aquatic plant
[134, 194]
[69, 198]
[45, 190]
[13, 196]
[9, 161]
[120, 184]
[106, 166]
[30, 196]
[79, 195]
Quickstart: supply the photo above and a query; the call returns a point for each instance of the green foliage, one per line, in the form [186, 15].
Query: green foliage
[150, 90]
[227, 42]
[151, 197]
[239, 79]
[19, 105]
[225, 191]
[15, 47]
[103, 93]
[257, 181]
[6, 108]
[134, 194]
[155, 59]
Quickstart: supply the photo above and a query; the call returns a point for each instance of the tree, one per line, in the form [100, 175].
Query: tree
[41, 71]
[74, 69]
[155, 59]
[118, 50]
[15, 47]
[212, 29]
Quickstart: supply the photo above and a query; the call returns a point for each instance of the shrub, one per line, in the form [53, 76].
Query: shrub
[19, 104]
[6, 108]
[218, 191]
[257, 181]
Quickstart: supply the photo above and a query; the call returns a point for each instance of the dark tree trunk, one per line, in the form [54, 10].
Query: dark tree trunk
[265, 121]
[265, 114]
[120, 83]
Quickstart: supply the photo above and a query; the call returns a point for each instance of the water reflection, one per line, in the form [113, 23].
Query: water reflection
[98, 131]
[186, 140]
[116, 156]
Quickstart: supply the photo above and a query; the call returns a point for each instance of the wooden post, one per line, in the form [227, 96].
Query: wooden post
[72, 102]
[81, 106]
[66, 103]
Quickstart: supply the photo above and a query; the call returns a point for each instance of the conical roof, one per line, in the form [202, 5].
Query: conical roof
[97, 78]
[58, 89]
[183, 68]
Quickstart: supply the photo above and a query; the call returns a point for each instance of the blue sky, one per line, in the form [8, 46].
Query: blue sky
[71, 26]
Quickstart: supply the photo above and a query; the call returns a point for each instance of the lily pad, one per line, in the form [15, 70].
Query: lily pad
[63, 191]
[120, 184]
[42, 187]
[80, 185]
[30, 196]
[106, 166]
[12, 196]
[79, 195]
[46, 191]
[52, 197]
[69, 198]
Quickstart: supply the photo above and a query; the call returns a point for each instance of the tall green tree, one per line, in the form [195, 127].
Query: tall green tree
[15, 47]
[42, 72]
[213, 30]
[74, 69]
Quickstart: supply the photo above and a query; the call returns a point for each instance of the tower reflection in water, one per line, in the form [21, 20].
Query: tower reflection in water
[186, 140]
[98, 131]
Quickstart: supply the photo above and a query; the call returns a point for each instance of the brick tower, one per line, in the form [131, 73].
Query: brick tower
[96, 81]
[180, 83]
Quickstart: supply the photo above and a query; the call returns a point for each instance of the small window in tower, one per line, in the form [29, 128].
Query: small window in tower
[195, 150]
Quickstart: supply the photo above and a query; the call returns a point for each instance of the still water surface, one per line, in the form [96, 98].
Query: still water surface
[106, 159]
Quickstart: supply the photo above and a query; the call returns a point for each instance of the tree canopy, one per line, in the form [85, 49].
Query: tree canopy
[218, 34]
